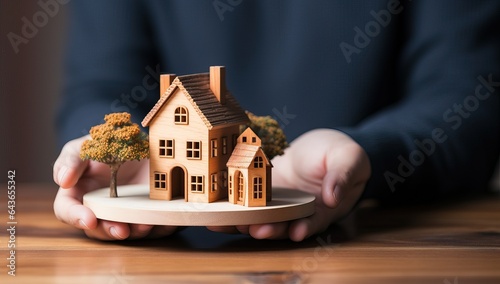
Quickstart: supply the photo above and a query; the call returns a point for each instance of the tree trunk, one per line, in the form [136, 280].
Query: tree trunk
[112, 186]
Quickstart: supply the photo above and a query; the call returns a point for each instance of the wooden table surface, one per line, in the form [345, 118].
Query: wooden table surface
[453, 242]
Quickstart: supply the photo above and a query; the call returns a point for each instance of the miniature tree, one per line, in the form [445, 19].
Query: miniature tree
[269, 131]
[116, 141]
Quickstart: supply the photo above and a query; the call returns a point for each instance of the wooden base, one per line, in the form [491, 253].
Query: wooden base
[134, 206]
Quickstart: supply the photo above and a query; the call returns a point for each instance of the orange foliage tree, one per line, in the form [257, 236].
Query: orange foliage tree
[269, 131]
[116, 141]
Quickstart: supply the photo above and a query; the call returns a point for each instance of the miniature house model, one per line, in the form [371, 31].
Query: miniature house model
[196, 150]
[249, 166]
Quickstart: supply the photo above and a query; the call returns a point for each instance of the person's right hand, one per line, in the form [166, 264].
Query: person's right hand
[76, 177]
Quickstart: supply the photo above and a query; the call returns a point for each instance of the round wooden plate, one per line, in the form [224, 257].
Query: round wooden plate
[134, 206]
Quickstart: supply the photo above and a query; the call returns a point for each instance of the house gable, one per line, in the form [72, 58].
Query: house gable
[247, 149]
[197, 89]
[165, 127]
[166, 116]
[249, 137]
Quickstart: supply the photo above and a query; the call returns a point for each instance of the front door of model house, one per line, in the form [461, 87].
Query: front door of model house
[178, 184]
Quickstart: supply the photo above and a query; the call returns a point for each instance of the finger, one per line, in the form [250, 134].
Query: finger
[161, 231]
[68, 167]
[109, 230]
[303, 228]
[139, 231]
[346, 167]
[281, 171]
[68, 208]
[223, 229]
[243, 229]
[333, 186]
[272, 231]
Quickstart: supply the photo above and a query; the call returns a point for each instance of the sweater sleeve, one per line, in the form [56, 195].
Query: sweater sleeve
[443, 136]
[110, 65]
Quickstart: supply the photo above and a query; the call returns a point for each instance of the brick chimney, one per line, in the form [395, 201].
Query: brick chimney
[218, 82]
[165, 82]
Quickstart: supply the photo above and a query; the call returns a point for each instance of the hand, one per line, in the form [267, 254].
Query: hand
[76, 177]
[326, 163]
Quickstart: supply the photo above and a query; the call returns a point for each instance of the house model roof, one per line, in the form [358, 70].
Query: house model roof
[196, 88]
[243, 155]
[247, 148]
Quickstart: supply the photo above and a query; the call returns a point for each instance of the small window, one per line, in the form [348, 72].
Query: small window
[254, 139]
[213, 182]
[231, 185]
[224, 145]
[213, 147]
[235, 140]
[197, 184]
[160, 180]
[223, 177]
[244, 139]
[166, 148]
[193, 149]
[181, 115]
[257, 188]
[258, 162]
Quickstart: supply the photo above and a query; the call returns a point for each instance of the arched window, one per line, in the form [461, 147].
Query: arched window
[241, 187]
[181, 115]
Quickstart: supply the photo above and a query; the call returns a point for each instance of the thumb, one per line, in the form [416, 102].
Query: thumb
[333, 187]
[345, 170]
[68, 167]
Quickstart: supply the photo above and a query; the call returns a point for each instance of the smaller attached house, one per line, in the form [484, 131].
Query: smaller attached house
[249, 172]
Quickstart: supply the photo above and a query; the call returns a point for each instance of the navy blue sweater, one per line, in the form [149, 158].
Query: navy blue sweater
[416, 84]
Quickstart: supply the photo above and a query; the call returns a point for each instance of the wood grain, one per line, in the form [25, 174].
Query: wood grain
[413, 244]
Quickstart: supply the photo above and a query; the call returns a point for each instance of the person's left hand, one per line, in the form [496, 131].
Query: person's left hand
[77, 177]
[326, 163]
